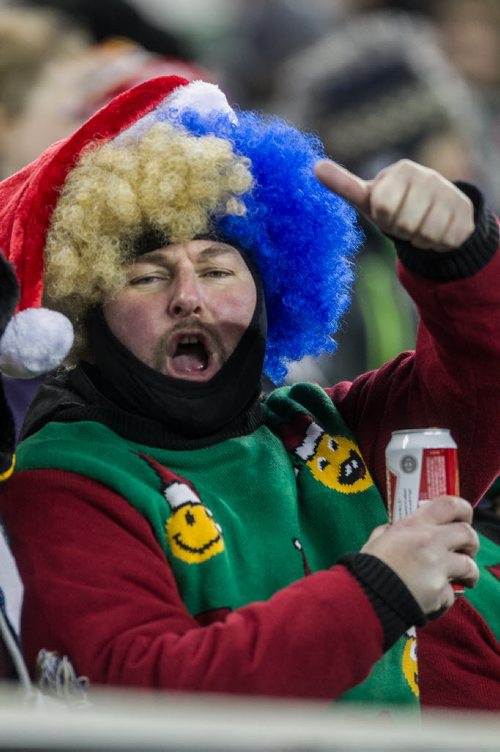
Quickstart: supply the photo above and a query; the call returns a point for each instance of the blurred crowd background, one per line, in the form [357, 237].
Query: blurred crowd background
[377, 81]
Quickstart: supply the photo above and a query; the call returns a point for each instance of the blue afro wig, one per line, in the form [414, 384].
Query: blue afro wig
[301, 236]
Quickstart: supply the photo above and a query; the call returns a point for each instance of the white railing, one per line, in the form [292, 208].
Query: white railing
[163, 721]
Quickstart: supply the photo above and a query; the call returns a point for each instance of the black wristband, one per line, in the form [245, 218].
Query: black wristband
[396, 607]
[464, 261]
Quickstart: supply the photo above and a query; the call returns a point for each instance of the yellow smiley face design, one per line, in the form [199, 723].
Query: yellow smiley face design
[337, 463]
[192, 533]
[410, 665]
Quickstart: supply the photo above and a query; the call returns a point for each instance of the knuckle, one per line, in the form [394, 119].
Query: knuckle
[466, 531]
[449, 504]
[434, 179]
[456, 505]
[474, 544]
[408, 164]
[472, 536]
[379, 196]
[472, 569]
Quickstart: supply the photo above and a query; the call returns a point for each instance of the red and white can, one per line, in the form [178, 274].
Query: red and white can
[421, 463]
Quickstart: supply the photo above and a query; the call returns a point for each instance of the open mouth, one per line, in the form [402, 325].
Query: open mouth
[190, 354]
[190, 357]
[352, 469]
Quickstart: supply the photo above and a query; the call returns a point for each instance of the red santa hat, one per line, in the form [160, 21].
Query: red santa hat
[37, 339]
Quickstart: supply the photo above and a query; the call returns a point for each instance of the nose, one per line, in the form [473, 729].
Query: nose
[185, 295]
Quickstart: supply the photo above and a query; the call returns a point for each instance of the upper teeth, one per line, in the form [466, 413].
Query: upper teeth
[189, 340]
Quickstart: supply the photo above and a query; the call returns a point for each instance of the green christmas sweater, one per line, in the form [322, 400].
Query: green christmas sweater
[241, 520]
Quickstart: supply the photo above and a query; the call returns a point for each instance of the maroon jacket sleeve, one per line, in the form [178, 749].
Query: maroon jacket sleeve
[104, 592]
[452, 380]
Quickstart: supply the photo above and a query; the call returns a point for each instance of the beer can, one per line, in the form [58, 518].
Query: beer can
[421, 463]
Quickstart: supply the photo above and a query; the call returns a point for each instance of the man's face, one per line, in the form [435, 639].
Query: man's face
[185, 308]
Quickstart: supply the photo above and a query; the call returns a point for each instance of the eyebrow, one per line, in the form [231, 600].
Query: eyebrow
[158, 257]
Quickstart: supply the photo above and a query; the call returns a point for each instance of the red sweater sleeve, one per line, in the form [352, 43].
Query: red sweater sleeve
[452, 380]
[98, 586]
[459, 661]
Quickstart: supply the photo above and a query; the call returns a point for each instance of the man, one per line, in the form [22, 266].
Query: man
[173, 528]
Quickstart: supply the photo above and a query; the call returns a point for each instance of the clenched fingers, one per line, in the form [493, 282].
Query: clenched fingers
[460, 536]
[414, 203]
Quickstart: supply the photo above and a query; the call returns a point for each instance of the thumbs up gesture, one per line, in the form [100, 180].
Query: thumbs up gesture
[407, 201]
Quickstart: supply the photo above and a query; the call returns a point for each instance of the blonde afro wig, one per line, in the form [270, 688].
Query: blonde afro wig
[168, 182]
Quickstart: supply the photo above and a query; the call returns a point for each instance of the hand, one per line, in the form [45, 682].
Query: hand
[429, 549]
[407, 201]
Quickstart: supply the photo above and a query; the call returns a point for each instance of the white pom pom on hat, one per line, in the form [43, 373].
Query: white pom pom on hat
[35, 341]
[203, 97]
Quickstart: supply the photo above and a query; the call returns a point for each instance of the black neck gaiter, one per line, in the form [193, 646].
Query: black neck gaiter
[189, 409]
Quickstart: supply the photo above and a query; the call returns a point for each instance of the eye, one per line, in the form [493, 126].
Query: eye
[149, 279]
[322, 463]
[217, 273]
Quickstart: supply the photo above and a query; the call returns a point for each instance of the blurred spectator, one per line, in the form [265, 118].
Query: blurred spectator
[66, 95]
[106, 19]
[63, 59]
[28, 41]
[263, 34]
[468, 32]
[378, 88]
[470, 36]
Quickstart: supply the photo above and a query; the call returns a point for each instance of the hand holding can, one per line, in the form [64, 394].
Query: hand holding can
[421, 464]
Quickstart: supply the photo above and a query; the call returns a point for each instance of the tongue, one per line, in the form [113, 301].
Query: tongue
[192, 361]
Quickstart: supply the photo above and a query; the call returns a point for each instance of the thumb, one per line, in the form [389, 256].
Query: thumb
[339, 180]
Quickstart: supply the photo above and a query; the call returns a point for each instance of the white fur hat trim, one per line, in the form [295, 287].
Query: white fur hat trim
[200, 96]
